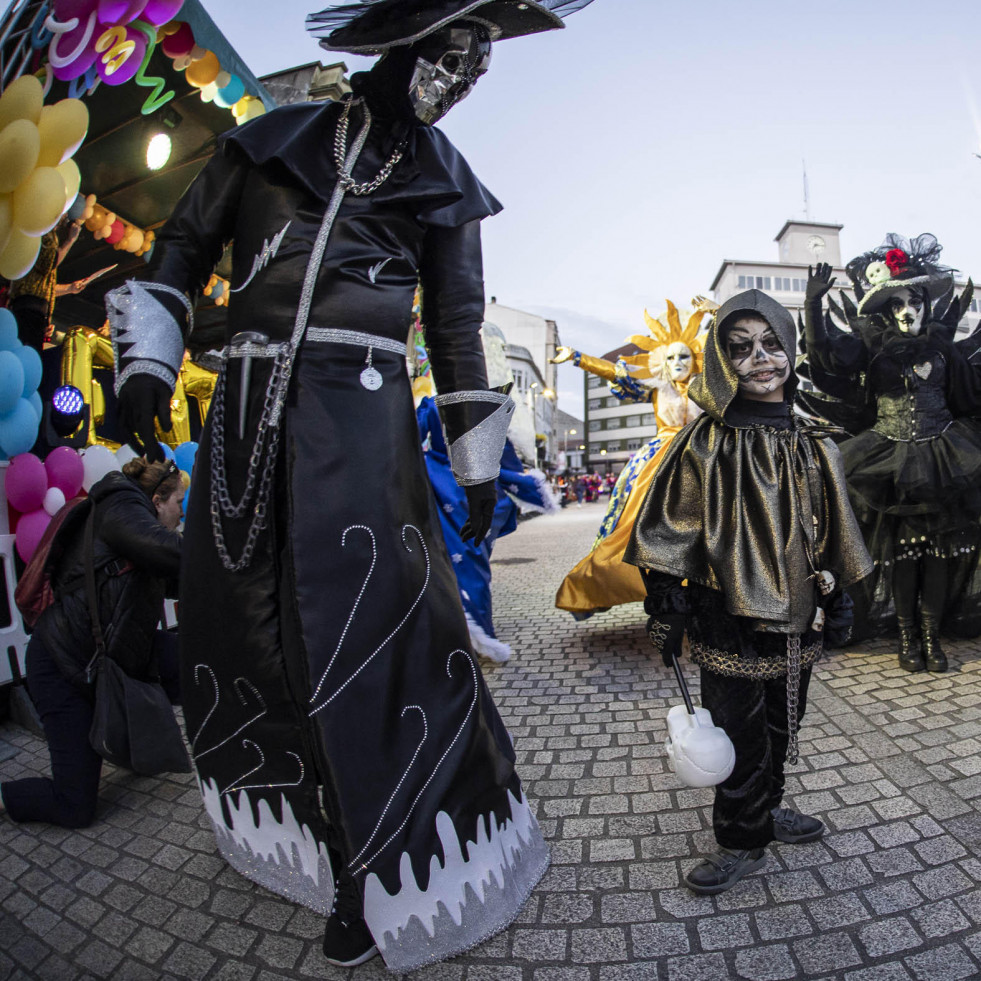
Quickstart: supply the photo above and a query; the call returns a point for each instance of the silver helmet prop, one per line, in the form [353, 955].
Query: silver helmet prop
[448, 64]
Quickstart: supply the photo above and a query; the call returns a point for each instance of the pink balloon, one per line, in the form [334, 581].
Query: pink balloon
[26, 483]
[65, 471]
[30, 530]
[66, 9]
[179, 43]
[120, 11]
[125, 69]
[160, 12]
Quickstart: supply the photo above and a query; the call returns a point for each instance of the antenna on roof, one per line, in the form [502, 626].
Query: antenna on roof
[807, 203]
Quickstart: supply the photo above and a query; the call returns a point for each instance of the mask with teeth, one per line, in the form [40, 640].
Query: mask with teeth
[448, 64]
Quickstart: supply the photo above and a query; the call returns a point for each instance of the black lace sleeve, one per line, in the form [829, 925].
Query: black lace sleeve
[665, 594]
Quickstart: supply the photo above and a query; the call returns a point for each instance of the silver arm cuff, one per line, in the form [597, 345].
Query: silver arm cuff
[476, 456]
[146, 339]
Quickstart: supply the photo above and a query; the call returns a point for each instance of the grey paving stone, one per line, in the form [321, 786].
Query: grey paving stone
[188, 961]
[539, 945]
[697, 967]
[654, 940]
[892, 898]
[783, 923]
[888, 936]
[768, 963]
[628, 907]
[567, 908]
[829, 952]
[849, 873]
[947, 963]
[604, 945]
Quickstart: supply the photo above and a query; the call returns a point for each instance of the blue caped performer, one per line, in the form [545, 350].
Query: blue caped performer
[349, 753]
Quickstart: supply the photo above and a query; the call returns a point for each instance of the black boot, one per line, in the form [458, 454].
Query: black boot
[347, 940]
[936, 659]
[910, 654]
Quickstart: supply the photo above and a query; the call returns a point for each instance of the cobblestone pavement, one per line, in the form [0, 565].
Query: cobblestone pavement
[891, 762]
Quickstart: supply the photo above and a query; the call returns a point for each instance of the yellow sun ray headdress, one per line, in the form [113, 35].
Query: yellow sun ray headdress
[649, 364]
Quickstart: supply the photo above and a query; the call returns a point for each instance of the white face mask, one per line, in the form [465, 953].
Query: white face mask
[756, 356]
[906, 310]
[448, 65]
[678, 362]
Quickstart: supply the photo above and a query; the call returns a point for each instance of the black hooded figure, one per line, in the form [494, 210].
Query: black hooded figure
[348, 751]
[749, 506]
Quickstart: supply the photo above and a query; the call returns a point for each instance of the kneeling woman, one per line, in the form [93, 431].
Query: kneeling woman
[137, 552]
[750, 507]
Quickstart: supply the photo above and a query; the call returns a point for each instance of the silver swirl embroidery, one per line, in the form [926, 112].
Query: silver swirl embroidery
[236, 786]
[266, 254]
[446, 752]
[354, 609]
[237, 687]
[401, 624]
[398, 786]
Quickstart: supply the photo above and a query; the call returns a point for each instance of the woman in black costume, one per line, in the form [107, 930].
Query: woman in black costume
[914, 467]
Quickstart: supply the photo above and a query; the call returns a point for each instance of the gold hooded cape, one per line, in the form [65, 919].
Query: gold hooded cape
[753, 512]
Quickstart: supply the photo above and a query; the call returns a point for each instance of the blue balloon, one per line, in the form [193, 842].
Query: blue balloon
[9, 341]
[34, 401]
[184, 456]
[11, 380]
[18, 428]
[167, 451]
[77, 208]
[31, 362]
[231, 93]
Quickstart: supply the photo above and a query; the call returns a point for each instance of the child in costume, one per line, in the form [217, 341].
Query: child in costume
[750, 507]
[661, 375]
[913, 464]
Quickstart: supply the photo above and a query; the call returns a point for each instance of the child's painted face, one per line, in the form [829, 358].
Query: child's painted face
[759, 361]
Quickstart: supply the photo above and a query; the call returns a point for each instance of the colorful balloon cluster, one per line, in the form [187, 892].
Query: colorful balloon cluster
[203, 70]
[38, 178]
[36, 491]
[20, 404]
[120, 234]
[102, 35]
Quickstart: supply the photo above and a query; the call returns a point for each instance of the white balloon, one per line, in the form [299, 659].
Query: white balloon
[97, 461]
[124, 454]
[54, 500]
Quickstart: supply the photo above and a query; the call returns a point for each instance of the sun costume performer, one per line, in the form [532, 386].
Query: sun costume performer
[907, 392]
[661, 376]
[745, 535]
[349, 753]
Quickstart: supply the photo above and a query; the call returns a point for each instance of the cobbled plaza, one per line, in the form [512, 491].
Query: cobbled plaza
[890, 761]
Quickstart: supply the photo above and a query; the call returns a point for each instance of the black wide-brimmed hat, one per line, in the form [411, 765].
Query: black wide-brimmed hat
[374, 26]
[898, 264]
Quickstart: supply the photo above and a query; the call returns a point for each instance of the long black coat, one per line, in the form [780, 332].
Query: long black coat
[127, 533]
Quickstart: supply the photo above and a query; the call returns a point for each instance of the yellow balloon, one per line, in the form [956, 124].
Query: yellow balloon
[20, 145]
[6, 220]
[18, 258]
[40, 201]
[21, 99]
[204, 71]
[72, 178]
[62, 128]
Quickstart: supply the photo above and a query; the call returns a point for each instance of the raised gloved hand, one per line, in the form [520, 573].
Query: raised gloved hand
[666, 631]
[141, 399]
[481, 501]
[819, 281]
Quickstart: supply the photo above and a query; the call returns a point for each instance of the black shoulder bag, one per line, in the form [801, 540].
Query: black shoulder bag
[134, 724]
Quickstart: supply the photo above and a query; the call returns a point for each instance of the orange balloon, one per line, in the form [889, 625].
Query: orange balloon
[203, 72]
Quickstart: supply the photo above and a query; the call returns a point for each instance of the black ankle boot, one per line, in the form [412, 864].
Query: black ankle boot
[934, 656]
[910, 654]
[347, 939]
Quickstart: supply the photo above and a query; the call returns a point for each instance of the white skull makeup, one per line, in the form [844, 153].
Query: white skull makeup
[448, 64]
[759, 361]
[906, 309]
[678, 362]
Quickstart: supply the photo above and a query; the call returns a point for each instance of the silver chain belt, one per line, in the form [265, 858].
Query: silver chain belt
[793, 695]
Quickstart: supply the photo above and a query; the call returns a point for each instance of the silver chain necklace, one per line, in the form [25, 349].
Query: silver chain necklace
[344, 177]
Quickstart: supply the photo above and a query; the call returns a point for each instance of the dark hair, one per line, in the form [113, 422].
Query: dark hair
[162, 477]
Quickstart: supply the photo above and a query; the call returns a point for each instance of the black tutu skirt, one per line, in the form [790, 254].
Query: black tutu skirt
[914, 499]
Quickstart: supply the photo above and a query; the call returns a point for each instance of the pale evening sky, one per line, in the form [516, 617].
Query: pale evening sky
[646, 142]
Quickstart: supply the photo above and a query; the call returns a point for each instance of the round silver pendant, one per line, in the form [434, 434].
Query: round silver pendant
[371, 379]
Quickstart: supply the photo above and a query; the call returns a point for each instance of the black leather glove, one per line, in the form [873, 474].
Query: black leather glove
[141, 399]
[819, 281]
[666, 631]
[481, 501]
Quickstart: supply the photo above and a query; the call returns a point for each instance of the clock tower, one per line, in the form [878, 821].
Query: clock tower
[808, 242]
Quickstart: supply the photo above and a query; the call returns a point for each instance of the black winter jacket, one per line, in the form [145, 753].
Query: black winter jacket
[130, 602]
